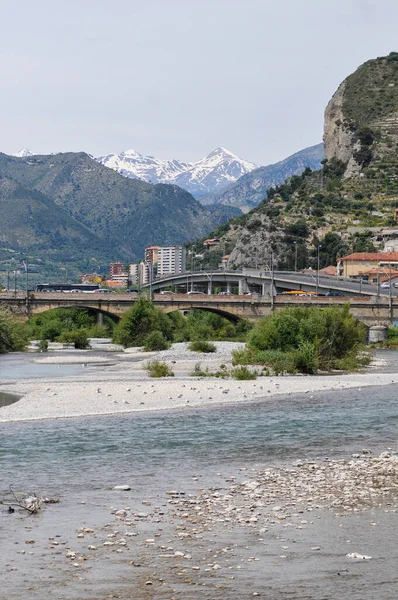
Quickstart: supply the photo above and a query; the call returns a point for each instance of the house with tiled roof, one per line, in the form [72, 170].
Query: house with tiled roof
[360, 265]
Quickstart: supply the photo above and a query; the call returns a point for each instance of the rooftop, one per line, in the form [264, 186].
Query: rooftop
[372, 257]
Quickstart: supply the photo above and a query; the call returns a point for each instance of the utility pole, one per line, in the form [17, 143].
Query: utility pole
[272, 279]
[317, 271]
[26, 265]
[295, 256]
[390, 295]
[8, 279]
[15, 283]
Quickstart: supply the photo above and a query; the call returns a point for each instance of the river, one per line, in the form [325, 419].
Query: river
[80, 461]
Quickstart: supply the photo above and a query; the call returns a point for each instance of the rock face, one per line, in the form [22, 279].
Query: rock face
[337, 137]
[361, 119]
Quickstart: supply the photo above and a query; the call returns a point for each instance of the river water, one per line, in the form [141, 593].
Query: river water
[79, 461]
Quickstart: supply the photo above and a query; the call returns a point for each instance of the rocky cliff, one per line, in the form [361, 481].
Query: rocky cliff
[330, 212]
[361, 120]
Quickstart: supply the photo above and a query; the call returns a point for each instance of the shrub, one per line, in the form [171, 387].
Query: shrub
[55, 323]
[199, 372]
[156, 341]
[141, 320]
[202, 346]
[156, 368]
[242, 373]
[78, 337]
[301, 339]
[12, 333]
[43, 345]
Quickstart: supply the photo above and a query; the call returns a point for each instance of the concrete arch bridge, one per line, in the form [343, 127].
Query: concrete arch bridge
[370, 310]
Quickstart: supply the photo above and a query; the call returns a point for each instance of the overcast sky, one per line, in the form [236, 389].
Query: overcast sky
[177, 78]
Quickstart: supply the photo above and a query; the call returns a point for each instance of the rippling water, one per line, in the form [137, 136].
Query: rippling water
[79, 459]
[106, 449]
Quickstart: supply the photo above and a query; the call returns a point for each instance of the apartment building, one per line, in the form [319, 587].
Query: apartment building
[140, 273]
[171, 260]
[151, 255]
[115, 269]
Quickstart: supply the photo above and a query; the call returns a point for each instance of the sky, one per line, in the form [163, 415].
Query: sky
[178, 78]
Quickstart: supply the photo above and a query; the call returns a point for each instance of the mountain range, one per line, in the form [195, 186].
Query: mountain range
[221, 178]
[67, 207]
[251, 189]
[210, 174]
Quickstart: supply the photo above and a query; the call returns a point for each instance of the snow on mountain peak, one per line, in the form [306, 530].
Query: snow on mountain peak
[212, 173]
[24, 153]
[131, 154]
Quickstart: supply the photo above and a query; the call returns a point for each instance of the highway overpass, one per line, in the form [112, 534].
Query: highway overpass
[266, 283]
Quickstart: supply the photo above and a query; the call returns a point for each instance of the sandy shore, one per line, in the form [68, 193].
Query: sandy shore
[119, 385]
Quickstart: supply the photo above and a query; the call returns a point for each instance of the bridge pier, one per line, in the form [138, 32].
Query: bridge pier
[243, 287]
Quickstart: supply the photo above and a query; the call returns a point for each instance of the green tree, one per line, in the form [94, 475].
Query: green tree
[140, 321]
[12, 334]
[306, 339]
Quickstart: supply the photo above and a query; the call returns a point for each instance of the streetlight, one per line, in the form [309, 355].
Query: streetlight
[66, 273]
[317, 271]
[272, 278]
[26, 265]
[295, 256]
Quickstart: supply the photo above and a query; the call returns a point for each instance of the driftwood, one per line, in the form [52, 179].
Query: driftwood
[32, 503]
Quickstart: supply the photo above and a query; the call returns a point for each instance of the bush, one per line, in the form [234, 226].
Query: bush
[199, 372]
[156, 368]
[243, 373]
[202, 346]
[43, 345]
[141, 320]
[54, 324]
[301, 339]
[12, 333]
[156, 341]
[78, 337]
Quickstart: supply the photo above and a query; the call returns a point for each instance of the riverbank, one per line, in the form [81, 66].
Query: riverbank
[118, 383]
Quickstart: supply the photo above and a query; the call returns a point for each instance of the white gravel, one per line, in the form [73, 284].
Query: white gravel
[122, 385]
[181, 351]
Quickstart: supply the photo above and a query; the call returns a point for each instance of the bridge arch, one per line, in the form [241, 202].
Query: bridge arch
[40, 310]
[217, 311]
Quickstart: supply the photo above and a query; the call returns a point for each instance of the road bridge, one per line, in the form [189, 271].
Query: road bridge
[266, 283]
[372, 310]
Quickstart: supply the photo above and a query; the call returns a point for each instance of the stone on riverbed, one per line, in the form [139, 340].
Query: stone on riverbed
[122, 488]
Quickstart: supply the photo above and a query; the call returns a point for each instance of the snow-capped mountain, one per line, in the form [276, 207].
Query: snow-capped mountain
[136, 166]
[24, 153]
[212, 173]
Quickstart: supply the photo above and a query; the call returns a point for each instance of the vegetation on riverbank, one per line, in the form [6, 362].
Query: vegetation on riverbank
[157, 368]
[12, 333]
[145, 325]
[68, 325]
[306, 340]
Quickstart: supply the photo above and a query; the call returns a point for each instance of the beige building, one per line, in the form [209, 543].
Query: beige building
[171, 260]
[360, 264]
[140, 273]
[151, 255]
